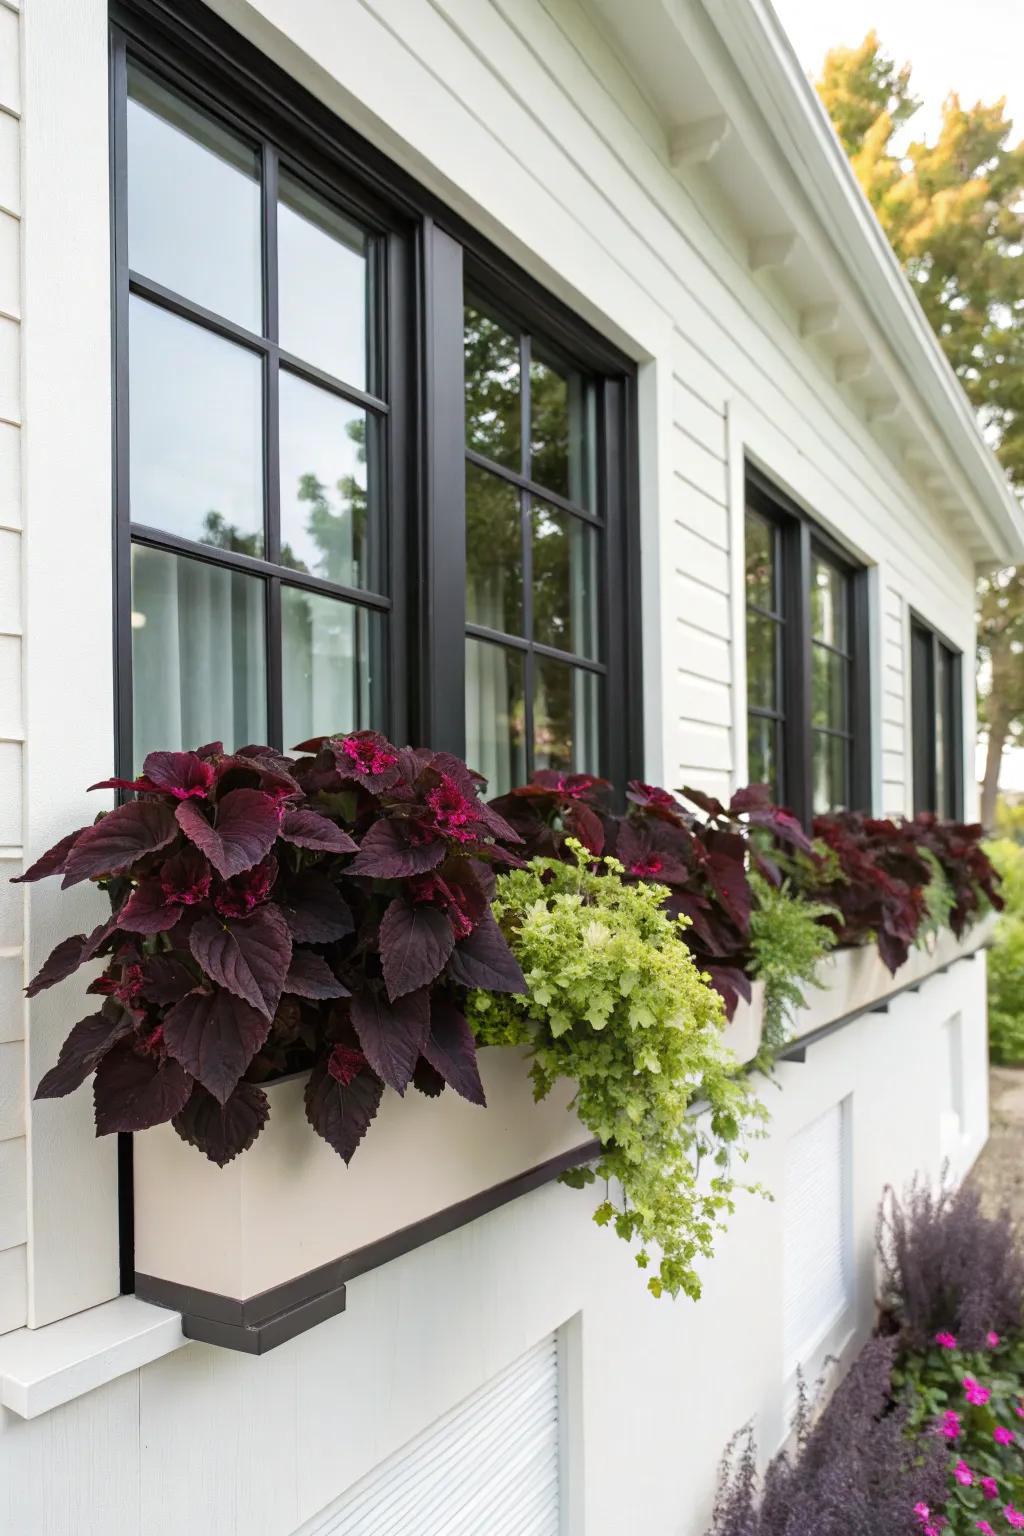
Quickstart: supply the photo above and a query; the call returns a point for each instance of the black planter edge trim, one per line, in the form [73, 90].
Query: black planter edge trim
[259, 1323]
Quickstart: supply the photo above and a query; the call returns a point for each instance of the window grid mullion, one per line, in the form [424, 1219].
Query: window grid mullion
[526, 546]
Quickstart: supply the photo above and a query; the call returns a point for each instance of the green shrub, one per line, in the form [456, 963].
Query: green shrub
[787, 943]
[1006, 957]
[616, 1004]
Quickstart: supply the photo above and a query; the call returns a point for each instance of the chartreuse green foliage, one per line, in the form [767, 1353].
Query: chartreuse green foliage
[1006, 957]
[615, 1003]
[787, 943]
[939, 899]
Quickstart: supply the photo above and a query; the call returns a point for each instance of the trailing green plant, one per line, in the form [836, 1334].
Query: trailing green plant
[1006, 957]
[615, 1003]
[939, 900]
[787, 944]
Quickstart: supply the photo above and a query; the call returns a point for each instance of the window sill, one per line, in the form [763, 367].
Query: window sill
[41, 1368]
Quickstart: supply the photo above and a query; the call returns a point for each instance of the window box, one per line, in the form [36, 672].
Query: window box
[853, 982]
[256, 1252]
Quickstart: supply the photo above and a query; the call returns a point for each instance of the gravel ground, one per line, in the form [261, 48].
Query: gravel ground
[999, 1171]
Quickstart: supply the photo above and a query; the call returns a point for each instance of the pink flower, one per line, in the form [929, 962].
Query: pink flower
[950, 1426]
[1014, 1516]
[1018, 1410]
[921, 1510]
[989, 1487]
[1003, 1437]
[974, 1393]
[984, 1527]
[931, 1530]
[945, 1341]
[963, 1474]
[992, 1340]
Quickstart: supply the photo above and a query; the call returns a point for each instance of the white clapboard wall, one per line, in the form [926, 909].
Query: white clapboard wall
[488, 1468]
[816, 1233]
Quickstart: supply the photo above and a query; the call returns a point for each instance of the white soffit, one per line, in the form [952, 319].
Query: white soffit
[783, 175]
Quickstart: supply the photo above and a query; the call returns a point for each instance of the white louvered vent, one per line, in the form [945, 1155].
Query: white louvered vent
[816, 1234]
[488, 1468]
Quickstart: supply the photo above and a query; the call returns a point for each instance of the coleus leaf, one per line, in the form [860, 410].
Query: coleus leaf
[340, 1111]
[731, 984]
[427, 1080]
[310, 976]
[585, 824]
[249, 956]
[215, 1035]
[132, 1092]
[243, 832]
[223, 1130]
[147, 910]
[484, 960]
[166, 979]
[307, 829]
[314, 910]
[84, 1048]
[707, 803]
[386, 853]
[415, 943]
[119, 840]
[52, 861]
[181, 774]
[451, 1051]
[68, 955]
[392, 1034]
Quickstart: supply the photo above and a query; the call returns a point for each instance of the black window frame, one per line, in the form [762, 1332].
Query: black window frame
[927, 646]
[798, 539]
[430, 256]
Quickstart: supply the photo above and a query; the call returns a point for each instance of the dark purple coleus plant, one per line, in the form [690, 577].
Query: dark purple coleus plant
[874, 877]
[271, 914]
[703, 856]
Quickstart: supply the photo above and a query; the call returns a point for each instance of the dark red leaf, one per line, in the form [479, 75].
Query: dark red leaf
[415, 943]
[313, 909]
[166, 980]
[181, 774]
[728, 877]
[122, 837]
[85, 1046]
[451, 1050]
[387, 853]
[215, 1036]
[485, 960]
[341, 1112]
[249, 956]
[706, 803]
[426, 1080]
[51, 862]
[310, 976]
[392, 1035]
[138, 784]
[147, 910]
[585, 824]
[68, 956]
[307, 829]
[246, 824]
[133, 1092]
[785, 826]
[223, 1130]
[752, 797]
[731, 983]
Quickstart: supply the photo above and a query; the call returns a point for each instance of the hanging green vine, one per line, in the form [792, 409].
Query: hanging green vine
[615, 1002]
[787, 943]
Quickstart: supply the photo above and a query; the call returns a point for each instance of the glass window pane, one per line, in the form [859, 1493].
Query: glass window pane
[760, 561]
[331, 667]
[943, 733]
[762, 661]
[562, 435]
[496, 714]
[828, 688]
[196, 431]
[493, 414]
[494, 552]
[323, 288]
[566, 717]
[193, 203]
[828, 603]
[329, 525]
[564, 582]
[763, 752]
[831, 755]
[198, 654]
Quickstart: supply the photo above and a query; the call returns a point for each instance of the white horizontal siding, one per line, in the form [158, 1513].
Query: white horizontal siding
[894, 704]
[13, 1174]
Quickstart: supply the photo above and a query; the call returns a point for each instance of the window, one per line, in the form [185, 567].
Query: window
[807, 721]
[368, 475]
[936, 692]
[534, 676]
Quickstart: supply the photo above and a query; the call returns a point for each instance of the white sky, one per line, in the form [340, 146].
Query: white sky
[976, 49]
